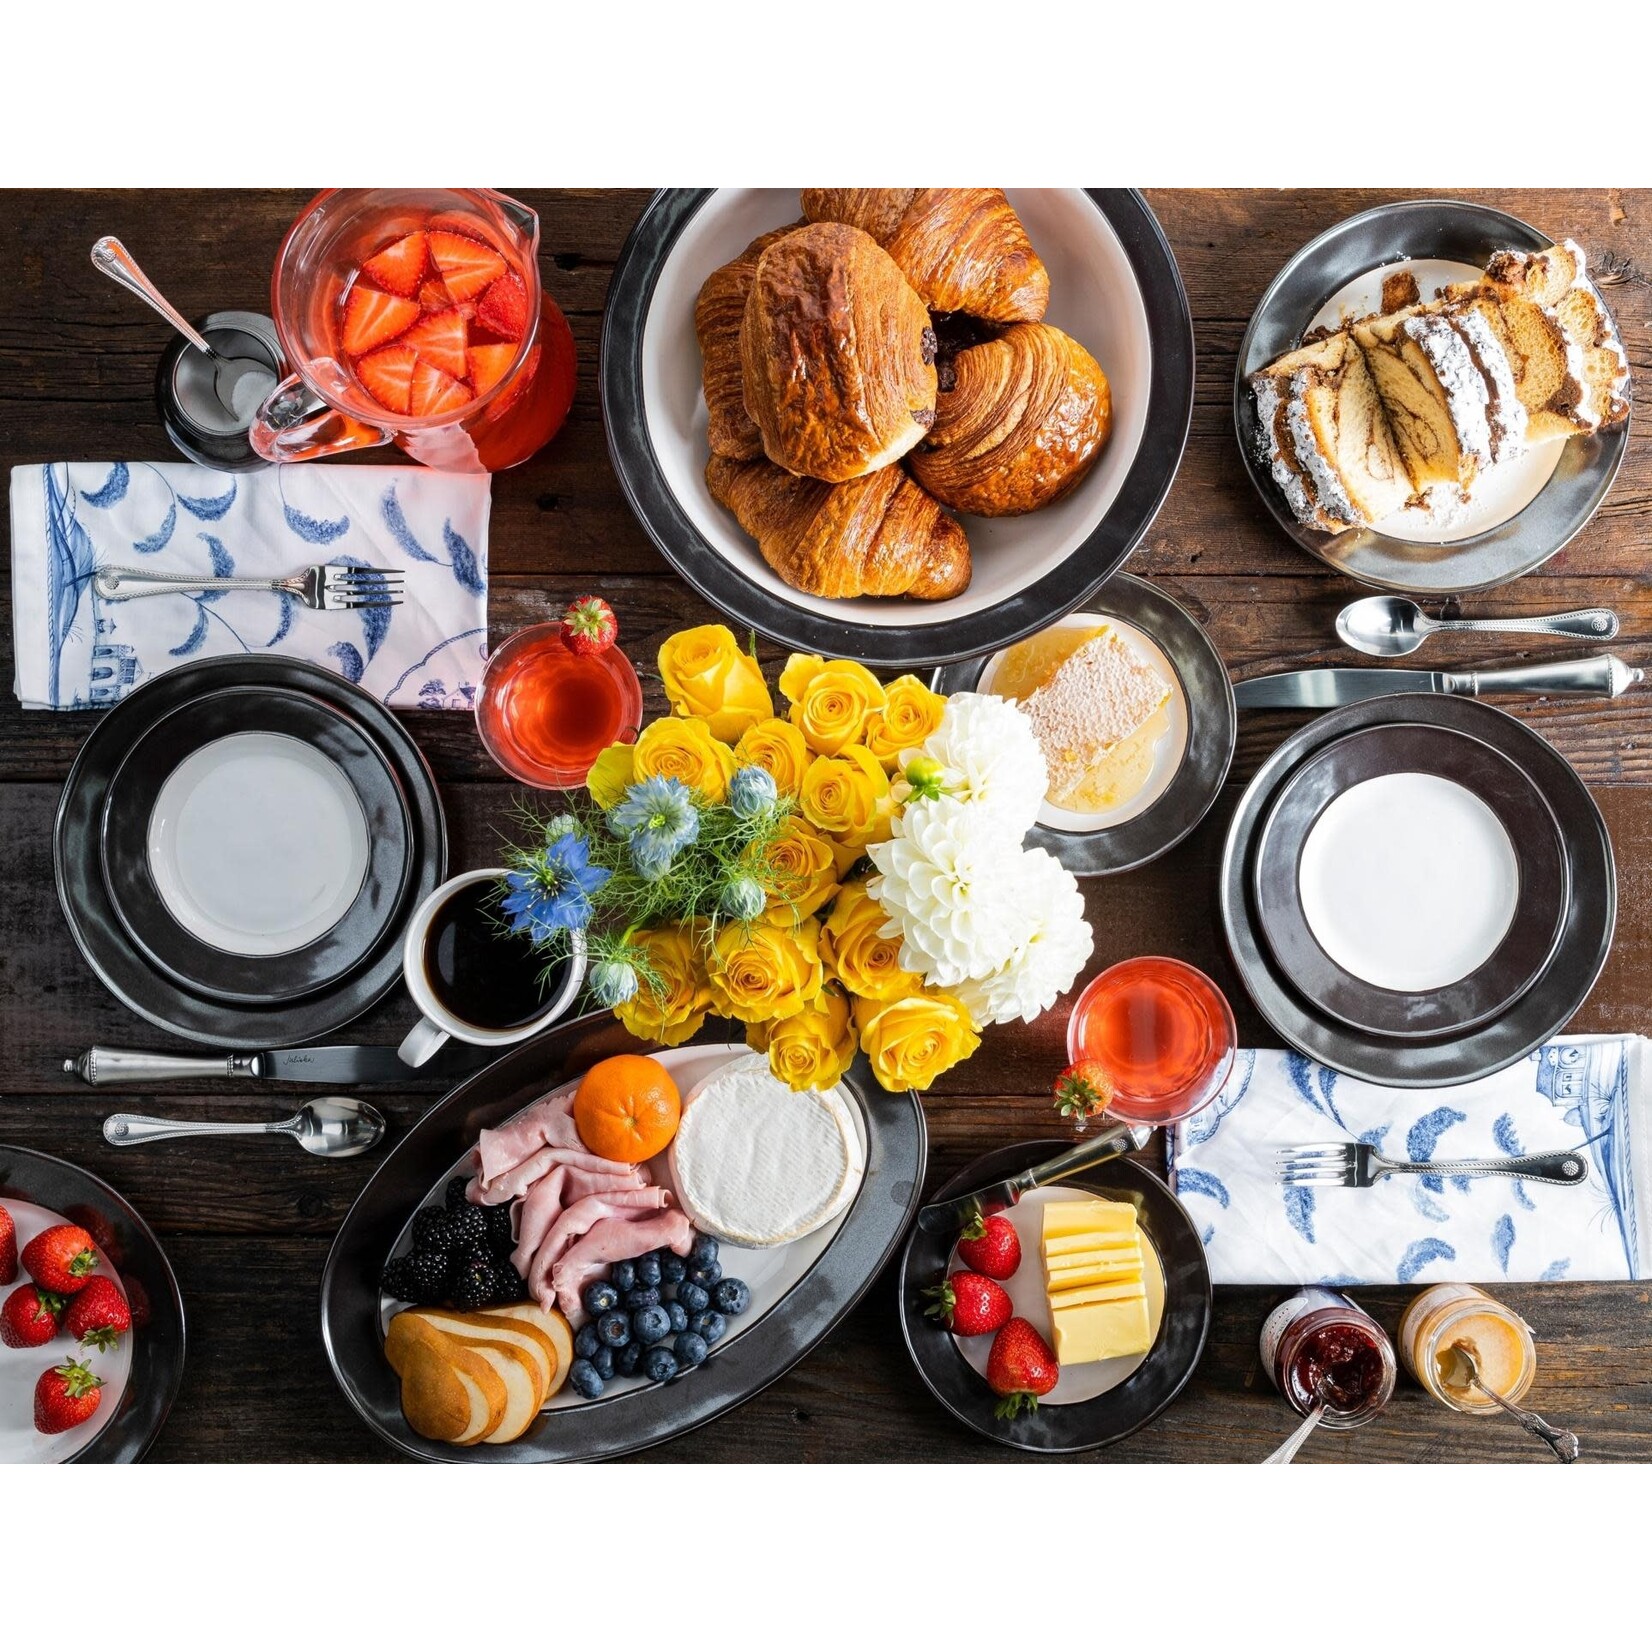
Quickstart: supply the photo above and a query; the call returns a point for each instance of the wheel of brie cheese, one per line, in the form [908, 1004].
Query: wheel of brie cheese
[759, 1164]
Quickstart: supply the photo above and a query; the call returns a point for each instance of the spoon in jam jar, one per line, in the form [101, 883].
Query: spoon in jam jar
[1309, 1423]
[1460, 1369]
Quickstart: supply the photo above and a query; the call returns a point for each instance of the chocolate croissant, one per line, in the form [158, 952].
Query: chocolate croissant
[963, 249]
[838, 357]
[717, 315]
[877, 536]
[1021, 420]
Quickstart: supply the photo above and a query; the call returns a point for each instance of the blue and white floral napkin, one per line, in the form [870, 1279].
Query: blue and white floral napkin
[73, 650]
[1583, 1093]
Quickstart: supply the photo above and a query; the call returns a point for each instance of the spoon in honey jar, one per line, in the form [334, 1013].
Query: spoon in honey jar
[1300, 1438]
[1460, 1369]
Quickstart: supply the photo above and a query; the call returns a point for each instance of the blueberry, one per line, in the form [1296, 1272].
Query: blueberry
[585, 1379]
[706, 1273]
[603, 1360]
[678, 1316]
[672, 1269]
[599, 1296]
[629, 1359]
[651, 1324]
[690, 1348]
[731, 1296]
[586, 1342]
[648, 1270]
[642, 1296]
[623, 1275]
[661, 1364]
[705, 1250]
[614, 1329]
[710, 1325]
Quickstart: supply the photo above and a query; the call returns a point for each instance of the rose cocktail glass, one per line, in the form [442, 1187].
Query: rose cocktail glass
[478, 378]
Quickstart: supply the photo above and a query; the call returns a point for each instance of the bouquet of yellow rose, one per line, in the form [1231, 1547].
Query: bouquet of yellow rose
[848, 875]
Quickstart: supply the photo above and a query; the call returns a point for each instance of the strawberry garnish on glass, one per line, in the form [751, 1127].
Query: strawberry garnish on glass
[1083, 1090]
[589, 626]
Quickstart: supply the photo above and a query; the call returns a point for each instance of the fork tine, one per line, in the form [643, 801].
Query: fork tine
[370, 582]
[1326, 1155]
[363, 602]
[1314, 1178]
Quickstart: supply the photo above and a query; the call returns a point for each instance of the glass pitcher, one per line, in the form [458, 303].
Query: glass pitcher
[324, 407]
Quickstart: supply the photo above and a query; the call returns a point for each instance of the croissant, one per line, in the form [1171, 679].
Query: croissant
[717, 315]
[877, 536]
[1021, 420]
[963, 249]
[838, 357]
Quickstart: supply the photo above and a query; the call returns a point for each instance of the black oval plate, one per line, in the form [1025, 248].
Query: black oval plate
[1542, 1011]
[1465, 233]
[129, 877]
[157, 1345]
[1527, 944]
[1109, 1417]
[96, 928]
[896, 647]
[897, 1147]
[1211, 728]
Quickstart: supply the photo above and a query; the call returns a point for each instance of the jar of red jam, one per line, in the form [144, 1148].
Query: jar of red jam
[1319, 1345]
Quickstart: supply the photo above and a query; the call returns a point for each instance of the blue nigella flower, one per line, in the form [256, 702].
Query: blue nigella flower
[751, 791]
[553, 892]
[657, 819]
[742, 897]
[614, 982]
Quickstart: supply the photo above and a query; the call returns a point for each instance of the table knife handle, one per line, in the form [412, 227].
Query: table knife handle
[100, 1065]
[1599, 674]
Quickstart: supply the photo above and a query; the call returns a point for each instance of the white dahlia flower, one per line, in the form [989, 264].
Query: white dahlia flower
[988, 757]
[1056, 945]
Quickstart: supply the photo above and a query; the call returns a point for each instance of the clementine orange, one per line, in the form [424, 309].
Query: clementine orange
[627, 1108]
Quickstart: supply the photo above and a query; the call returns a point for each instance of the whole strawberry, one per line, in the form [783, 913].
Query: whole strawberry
[989, 1245]
[1020, 1368]
[589, 626]
[99, 1315]
[65, 1397]
[1083, 1090]
[29, 1317]
[61, 1259]
[8, 1247]
[969, 1304]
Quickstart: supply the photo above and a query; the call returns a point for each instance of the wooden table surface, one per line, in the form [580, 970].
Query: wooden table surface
[248, 1228]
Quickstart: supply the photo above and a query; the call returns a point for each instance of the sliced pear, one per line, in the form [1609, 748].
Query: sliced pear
[523, 1388]
[553, 1325]
[477, 1329]
[448, 1392]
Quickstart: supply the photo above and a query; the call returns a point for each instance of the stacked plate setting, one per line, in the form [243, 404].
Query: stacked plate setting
[239, 846]
[1418, 890]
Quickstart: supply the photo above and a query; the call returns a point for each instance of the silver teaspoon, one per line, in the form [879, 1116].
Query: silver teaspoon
[1388, 626]
[1561, 1441]
[331, 1127]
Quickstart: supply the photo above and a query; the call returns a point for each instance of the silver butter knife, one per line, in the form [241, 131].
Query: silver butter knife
[1602, 675]
[320, 1064]
[1110, 1143]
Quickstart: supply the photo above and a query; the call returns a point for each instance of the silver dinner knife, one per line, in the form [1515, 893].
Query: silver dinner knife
[321, 1064]
[1109, 1143]
[1602, 675]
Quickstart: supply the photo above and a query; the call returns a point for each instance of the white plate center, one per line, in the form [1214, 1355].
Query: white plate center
[258, 844]
[1408, 881]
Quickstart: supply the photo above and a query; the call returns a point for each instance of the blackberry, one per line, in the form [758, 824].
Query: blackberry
[498, 1219]
[469, 1226]
[433, 1230]
[427, 1272]
[454, 1197]
[398, 1279]
[474, 1282]
[508, 1284]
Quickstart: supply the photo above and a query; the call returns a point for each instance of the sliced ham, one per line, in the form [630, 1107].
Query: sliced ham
[512, 1183]
[565, 1186]
[580, 1218]
[613, 1239]
[549, 1122]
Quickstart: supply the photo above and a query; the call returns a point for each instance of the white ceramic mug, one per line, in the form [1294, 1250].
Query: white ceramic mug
[436, 1023]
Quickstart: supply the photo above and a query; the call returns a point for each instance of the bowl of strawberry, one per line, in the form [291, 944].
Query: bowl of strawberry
[91, 1325]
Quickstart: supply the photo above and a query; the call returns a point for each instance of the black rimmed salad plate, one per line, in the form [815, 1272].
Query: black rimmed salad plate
[1207, 714]
[1109, 1417]
[130, 1246]
[1425, 232]
[96, 927]
[1114, 286]
[806, 1303]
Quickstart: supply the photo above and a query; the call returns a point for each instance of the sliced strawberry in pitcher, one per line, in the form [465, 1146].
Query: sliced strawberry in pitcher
[400, 267]
[434, 296]
[387, 375]
[372, 318]
[440, 339]
[489, 363]
[466, 266]
[503, 308]
[436, 392]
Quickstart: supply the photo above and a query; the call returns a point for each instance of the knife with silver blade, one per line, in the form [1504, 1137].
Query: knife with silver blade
[1110, 1143]
[1603, 675]
[321, 1064]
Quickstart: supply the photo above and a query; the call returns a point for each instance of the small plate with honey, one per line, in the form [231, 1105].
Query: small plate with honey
[1132, 707]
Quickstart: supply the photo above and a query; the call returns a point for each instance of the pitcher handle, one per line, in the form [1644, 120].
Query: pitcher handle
[294, 423]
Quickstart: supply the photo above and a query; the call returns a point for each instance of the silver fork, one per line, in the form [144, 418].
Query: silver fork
[326, 586]
[1357, 1164]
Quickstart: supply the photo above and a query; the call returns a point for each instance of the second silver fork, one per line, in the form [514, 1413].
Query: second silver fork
[326, 586]
[1357, 1164]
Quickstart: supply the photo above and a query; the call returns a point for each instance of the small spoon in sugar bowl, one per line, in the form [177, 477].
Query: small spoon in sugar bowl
[1464, 1372]
[1387, 626]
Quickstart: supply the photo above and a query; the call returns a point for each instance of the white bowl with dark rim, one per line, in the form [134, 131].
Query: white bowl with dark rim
[1114, 287]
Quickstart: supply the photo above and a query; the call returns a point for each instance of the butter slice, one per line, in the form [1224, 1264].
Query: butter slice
[1099, 1268]
[1083, 1296]
[1102, 1330]
[1069, 1216]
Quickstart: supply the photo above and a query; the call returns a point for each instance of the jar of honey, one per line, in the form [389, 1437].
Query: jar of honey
[1320, 1346]
[1448, 1316]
